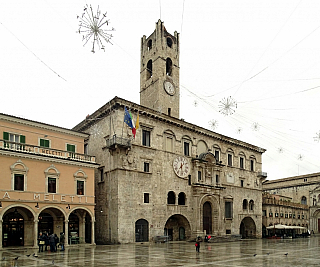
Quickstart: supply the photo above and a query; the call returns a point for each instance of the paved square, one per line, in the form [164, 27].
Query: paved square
[260, 252]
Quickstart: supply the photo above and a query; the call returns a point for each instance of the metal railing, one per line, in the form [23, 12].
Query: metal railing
[26, 148]
[120, 141]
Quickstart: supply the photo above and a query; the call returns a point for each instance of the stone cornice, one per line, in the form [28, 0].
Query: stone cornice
[117, 103]
[41, 125]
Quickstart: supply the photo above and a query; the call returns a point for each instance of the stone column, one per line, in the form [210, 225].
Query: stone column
[66, 234]
[92, 232]
[1, 234]
[35, 233]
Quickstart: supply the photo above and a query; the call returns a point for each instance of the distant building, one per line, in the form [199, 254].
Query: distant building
[46, 183]
[174, 178]
[303, 190]
[277, 209]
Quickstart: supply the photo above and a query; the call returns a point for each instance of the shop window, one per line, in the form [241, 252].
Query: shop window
[270, 214]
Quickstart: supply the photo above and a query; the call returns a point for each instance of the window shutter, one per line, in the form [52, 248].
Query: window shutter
[71, 148]
[5, 136]
[41, 142]
[22, 139]
[46, 143]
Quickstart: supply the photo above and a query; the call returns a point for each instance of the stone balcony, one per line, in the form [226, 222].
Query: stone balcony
[115, 141]
[45, 151]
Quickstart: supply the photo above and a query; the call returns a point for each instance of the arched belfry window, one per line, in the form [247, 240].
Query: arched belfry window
[169, 42]
[149, 44]
[245, 204]
[181, 198]
[171, 198]
[169, 66]
[251, 204]
[304, 200]
[149, 69]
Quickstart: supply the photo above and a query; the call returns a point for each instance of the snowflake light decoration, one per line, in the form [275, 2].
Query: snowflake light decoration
[239, 130]
[317, 137]
[300, 157]
[255, 126]
[91, 26]
[227, 106]
[195, 103]
[213, 124]
[280, 150]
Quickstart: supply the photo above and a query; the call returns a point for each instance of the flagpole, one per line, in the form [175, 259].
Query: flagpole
[123, 123]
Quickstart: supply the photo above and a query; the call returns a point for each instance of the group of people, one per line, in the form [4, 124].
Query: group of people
[45, 240]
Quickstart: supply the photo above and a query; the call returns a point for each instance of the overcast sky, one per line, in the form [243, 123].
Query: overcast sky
[265, 55]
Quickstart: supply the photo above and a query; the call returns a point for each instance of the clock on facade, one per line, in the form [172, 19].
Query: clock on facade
[169, 87]
[181, 166]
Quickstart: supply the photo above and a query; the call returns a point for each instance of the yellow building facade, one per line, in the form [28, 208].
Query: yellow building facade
[46, 183]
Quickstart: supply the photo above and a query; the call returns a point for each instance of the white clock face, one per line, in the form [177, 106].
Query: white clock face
[169, 87]
[181, 166]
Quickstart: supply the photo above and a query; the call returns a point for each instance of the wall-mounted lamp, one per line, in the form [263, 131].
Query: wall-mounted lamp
[0, 205]
[37, 206]
[101, 210]
[68, 207]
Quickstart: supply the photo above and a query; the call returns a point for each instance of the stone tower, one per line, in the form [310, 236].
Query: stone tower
[159, 71]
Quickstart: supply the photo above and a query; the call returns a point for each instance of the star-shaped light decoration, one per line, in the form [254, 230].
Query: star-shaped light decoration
[255, 126]
[227, 106]
[317, 137]
[195, 103]
[239, 130]
[213, 124]
[300, 157]
[94, 27]
[280, 150]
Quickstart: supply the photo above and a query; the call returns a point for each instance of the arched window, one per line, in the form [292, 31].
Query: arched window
[304, 200]
[149, 69]
[171, 198]
[169, 42]
[149, 44]
[181, 198]
[169, 66]
[251, 204]
[245, 204]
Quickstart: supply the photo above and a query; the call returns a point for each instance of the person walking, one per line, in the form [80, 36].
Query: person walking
[52, 243]
[46, 239]
[62, 239]
[56, 242]
[41, 242]
[197, 245]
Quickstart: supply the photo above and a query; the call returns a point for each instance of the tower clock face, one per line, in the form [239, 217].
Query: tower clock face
[181, 166]
[169, 87]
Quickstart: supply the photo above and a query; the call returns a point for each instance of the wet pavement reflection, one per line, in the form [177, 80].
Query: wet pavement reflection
[261, 252]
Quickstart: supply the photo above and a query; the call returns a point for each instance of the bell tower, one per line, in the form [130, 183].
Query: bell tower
[159, 71]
